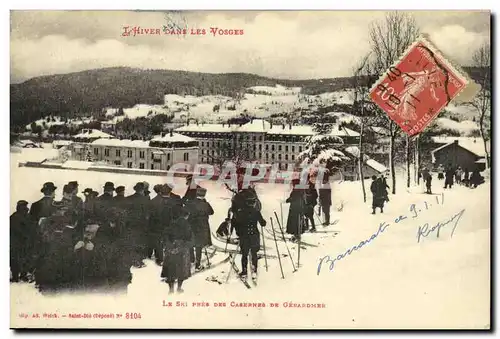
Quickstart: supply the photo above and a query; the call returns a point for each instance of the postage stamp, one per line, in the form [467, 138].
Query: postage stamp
[417, 87]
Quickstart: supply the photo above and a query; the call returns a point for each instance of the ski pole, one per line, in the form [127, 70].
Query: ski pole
[299, 239]
[264, 244]
[208, 259]
[281, 212]
[284, 239]
[277, 249]
[231, 263]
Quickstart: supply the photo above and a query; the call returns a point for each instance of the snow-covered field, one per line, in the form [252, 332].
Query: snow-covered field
[391, 282]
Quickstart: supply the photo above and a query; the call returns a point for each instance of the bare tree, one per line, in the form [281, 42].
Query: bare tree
[482, 101]
[389, 38]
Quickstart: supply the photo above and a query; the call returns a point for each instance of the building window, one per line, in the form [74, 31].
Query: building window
[267, 156]
[168, 156]
[254, 147]
[272, 148]
[286, 148]
[254, 138]
[300, 148]
[267, 147]
[279, 156]
[279, 148]
[106, 152]
[293, 157]
[129, 164]
[141, 154]
[286, 157]
[202, 151]
[96, 151]
[202, 144]
[293, 148]
[129, 154]
[260, 138]
[260, 155]
[118, 153]
[186, 156]
[152, 166]
[118, 163]
[260, 147]
[141, 165]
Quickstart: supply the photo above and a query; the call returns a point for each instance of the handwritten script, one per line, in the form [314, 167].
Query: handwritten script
[425, 230]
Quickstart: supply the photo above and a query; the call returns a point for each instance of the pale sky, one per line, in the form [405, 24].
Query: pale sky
[284, 44]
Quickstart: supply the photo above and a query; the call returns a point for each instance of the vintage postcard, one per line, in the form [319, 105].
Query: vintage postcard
[250, 169]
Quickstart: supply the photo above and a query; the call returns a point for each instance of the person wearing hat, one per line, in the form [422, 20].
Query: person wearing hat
[86, 193]
[246, 222]
[325, 197]
[22, 237]
[43, 208]
[192, 187]
[378, 190]
[108, 191]
[75, 199]
[147, 192]
[120, 194]
[200, 210]
[137, 206]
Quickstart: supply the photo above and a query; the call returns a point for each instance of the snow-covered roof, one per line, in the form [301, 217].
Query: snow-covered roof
[208, 128]
[255, 126]
[175, 137]
[121, 143]
[473, 145]
[62, 142]
[376, 165]
[291, 130]
[93, 134]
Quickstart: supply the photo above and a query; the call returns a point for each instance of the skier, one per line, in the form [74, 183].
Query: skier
[295, 221]
[476, 179]
[120, 194]
[311, 199]
[191, 190]
[22, 235]
[177, 243]
[247, 219]
[325, 199]
[379, 197]
[199, 212]
[427, 177]
[466, 179]
[440, 172]
[458, 175]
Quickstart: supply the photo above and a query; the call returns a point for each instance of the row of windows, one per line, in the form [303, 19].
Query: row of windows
[254, 155]
[141, 155]
[280, 148]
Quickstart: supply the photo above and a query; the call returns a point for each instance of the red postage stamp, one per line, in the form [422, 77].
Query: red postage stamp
[417, 87]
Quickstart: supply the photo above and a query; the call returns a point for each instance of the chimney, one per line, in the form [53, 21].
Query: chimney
[456, 141]
[251, 121]
[241, 124]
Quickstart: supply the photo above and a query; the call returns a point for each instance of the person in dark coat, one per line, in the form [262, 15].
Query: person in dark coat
[76, 200]
[22, 236]
[377, 188]
[449, 174]
[466, 179]
[325, 199]
[247, 219]
[120, 194]
[138, 223]
[384, 187]
[476, 179]
[440, 172]
[310, 201]
[56, 265]
[43, 207]
[295, 222]
[147, 192]
[177, 243]
[427, 177]
[458, 175]
[191, 190]
[199, 212]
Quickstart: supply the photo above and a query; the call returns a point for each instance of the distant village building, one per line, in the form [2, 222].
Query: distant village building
[262, 142]
[159, 153]
[89, 135]
[466, 152]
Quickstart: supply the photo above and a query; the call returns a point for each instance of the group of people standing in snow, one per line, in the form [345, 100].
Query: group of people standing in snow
[71, 243]
[453, 175]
